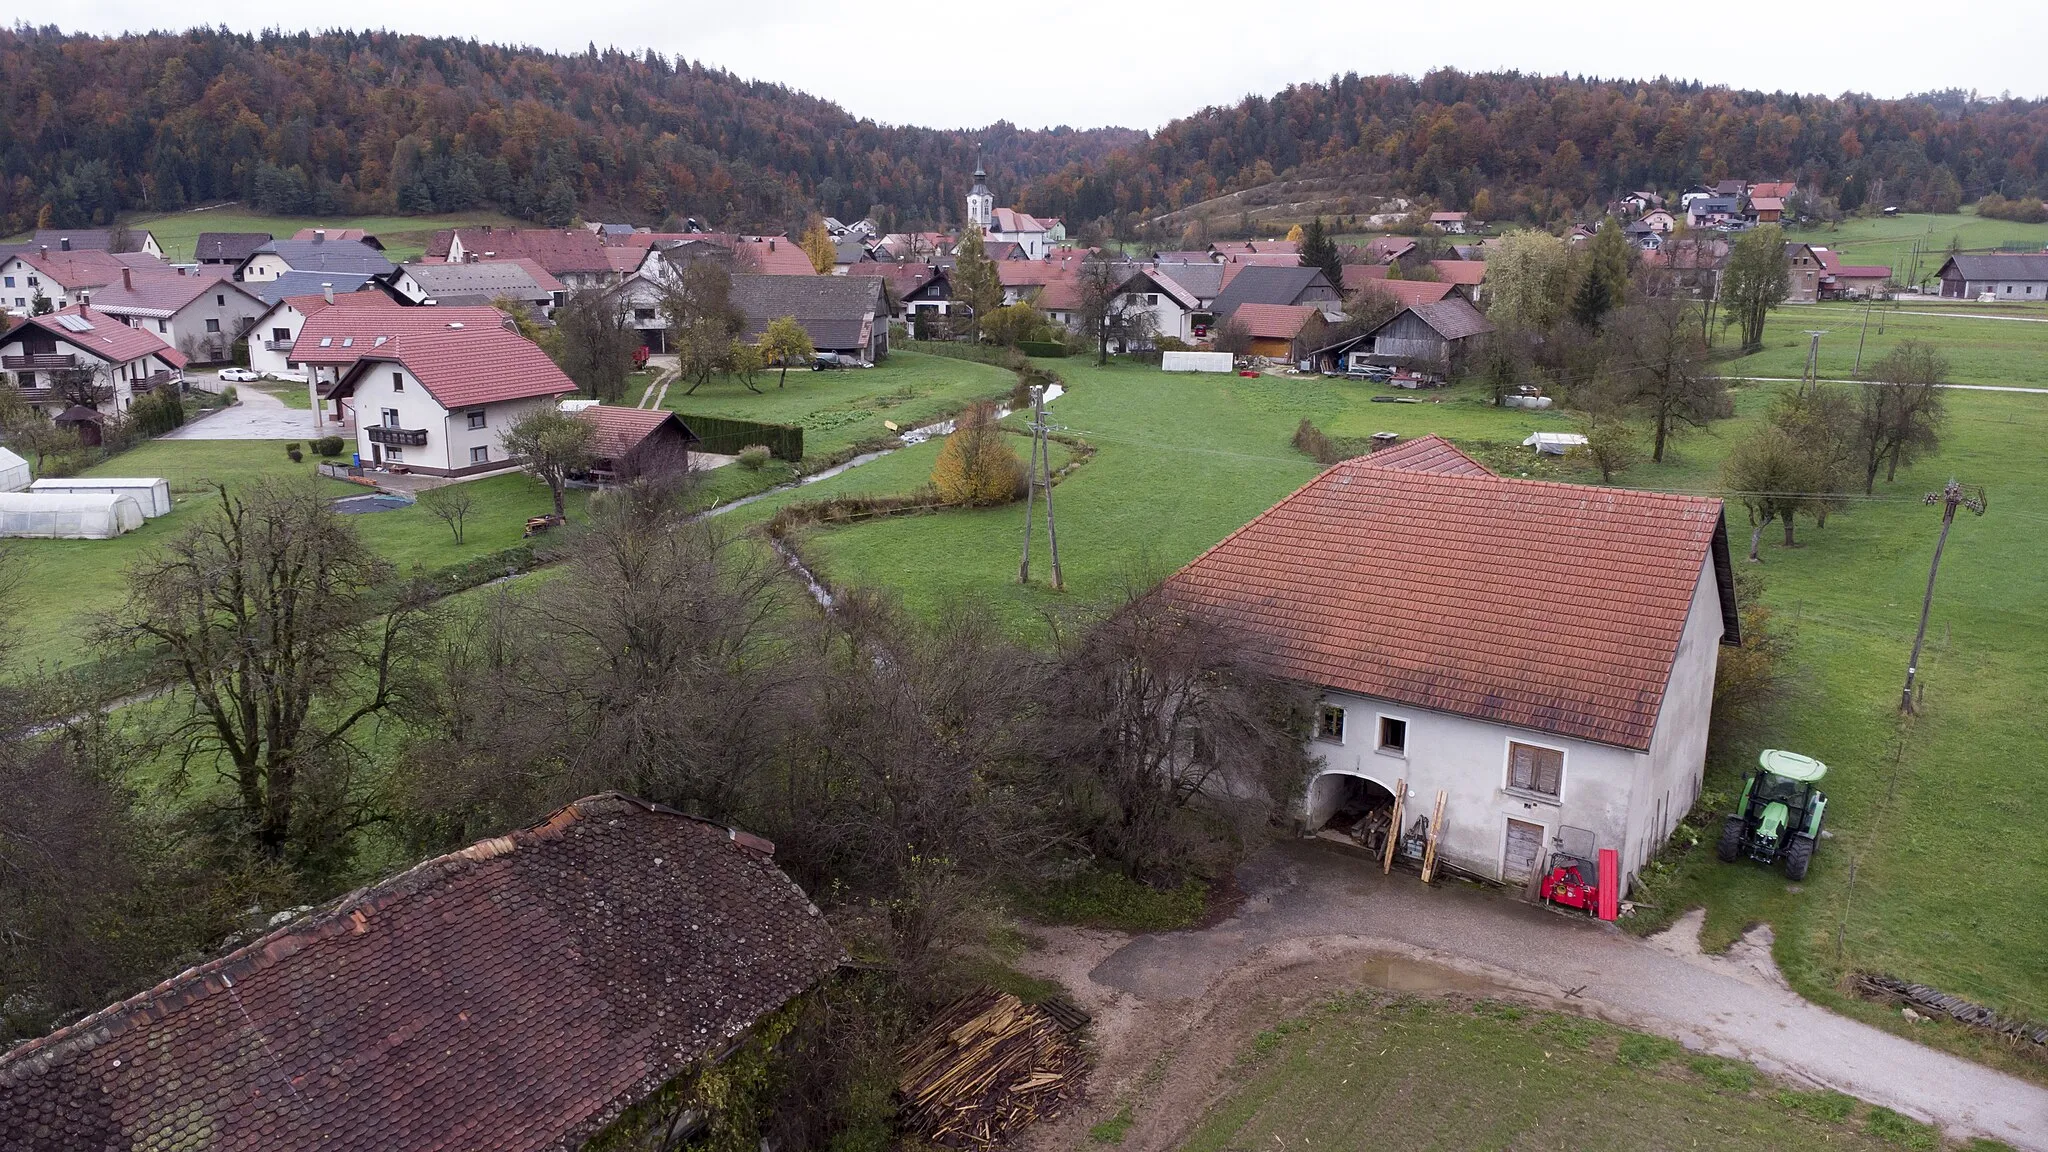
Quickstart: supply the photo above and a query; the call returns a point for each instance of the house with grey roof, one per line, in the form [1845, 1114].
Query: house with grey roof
[483, 282]
[841, 314]
[200, 315]
[307, 284]
[320, 254]
[1265, 284]
[1432, 337]
[98, 240]
[2005, 275]
[228, 248]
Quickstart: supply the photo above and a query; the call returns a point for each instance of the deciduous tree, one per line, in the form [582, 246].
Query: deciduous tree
[784, 342]
[451, 504]
[1660, 362]
[595, 342]
[550, 444]
[818, 245]
[1528, 274]
[1756, 281]
[976, 282]
[1900, 411]
[1106, 313]
[977, 465]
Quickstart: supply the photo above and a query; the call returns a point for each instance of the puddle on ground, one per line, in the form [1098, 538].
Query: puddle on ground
[1404, 974]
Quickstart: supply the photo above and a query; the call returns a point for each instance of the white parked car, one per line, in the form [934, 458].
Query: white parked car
[238, 376]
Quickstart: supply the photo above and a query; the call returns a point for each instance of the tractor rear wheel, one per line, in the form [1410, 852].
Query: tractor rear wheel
[1730, 847]
[1798, 855]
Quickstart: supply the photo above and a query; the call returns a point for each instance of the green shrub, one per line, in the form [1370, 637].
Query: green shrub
[292, 448]
[297, 456]
[1099, 899]
[328, 445]
[1310, 440]
[753, 457]
[228, 396]
[1050, 348]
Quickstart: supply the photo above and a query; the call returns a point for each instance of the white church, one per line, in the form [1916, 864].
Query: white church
[1004, 224]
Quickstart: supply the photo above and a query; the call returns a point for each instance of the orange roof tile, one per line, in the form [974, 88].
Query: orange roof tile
[462, 366]
[107, 337]
[1406, 576]
[1274, 321]
[621, 429]
[342, 333]
[1463, 272]
[1409, 292]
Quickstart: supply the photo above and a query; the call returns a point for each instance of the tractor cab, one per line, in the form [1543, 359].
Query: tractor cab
[1779, 816]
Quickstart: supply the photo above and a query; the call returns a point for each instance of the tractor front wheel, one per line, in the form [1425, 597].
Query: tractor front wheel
[1797, 856]
[1730, 847]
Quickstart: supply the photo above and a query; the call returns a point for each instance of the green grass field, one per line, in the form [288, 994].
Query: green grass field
[403, 237]
[840, 409]
[76, 580]
[1890, 239]
[1183, 460]
[2011, 352]
[1363, 1073]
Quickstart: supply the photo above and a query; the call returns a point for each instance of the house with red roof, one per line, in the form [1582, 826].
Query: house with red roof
[438, 396]
[631, 443]
[1841, 281]
[1539, 654]
[1280, 331]
[63, 277]
[521, 994]
[81, 357]
[201, 315]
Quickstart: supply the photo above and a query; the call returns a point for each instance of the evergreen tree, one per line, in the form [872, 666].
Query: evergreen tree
[975, 280]
[1319, 251]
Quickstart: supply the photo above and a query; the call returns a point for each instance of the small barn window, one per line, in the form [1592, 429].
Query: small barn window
[1393, 734]
[398, 381]
[1534, 768]
[1330, 724]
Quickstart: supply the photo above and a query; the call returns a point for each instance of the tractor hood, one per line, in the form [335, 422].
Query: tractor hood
[1791, 765]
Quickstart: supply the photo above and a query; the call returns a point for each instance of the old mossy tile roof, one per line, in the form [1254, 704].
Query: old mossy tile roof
[518, 994]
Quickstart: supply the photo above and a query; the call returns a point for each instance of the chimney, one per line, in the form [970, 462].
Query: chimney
[319, 235]
[127, 279]
[64, 243]
[327, 290]
[771, 245]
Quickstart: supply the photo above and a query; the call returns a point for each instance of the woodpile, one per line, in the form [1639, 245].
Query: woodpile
[1935, 1002]
[986, 1066]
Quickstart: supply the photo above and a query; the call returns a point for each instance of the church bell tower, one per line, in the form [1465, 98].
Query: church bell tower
[981, 205]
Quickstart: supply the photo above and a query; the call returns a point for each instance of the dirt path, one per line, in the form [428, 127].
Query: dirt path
[1173, 1011]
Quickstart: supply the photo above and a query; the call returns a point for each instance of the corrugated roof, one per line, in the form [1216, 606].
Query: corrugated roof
[1452, 318]
[463, 365]
[483, 280]
[516, 995]
[2002, 266]
[1552, 607]
[1409, 292]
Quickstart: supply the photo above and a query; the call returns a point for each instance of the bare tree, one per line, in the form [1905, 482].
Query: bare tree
[1900, 412]
[1108, 314]
[1232, 336]
[702, 320]
[284, 633]
[1660, 358]
[595, 341]
[450, 504]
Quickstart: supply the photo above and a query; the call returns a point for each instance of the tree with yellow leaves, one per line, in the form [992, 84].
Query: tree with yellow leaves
[977, 465]
[817, 244]
[1294, 234]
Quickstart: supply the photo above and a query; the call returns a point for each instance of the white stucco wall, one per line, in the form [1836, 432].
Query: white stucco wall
[449, 436]
[1628, 800]
[262, 359]
[264, 266]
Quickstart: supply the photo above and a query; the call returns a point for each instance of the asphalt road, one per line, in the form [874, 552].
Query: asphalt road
[259, 416]
[1734, 1006]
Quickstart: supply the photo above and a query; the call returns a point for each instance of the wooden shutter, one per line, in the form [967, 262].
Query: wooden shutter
[1534, 769]
[1525, 843]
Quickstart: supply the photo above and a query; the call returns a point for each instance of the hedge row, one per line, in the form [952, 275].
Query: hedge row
[1041, 348]
[727, 436]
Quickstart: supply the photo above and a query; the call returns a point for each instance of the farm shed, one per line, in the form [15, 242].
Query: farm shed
[14, 472]
[68, 515]
[153, 493]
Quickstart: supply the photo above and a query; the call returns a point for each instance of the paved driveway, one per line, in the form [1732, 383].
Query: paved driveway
[1304, 898]
[259, 416]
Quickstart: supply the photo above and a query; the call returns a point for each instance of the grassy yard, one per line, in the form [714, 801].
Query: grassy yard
[1920, 811]
[404, 237]
[840, 409]
[1890, 239]
[2001, 352]
[1364, 1073]
[79, 579]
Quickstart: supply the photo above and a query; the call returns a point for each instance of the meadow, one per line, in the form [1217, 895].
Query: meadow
[1361, 1072]
[1890, 240]
[2001, 352]
[1925, 877]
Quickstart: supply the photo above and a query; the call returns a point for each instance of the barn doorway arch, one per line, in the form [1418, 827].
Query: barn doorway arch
[1351, 805]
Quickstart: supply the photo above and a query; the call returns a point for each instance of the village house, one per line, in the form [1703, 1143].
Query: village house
[1659, 221]
[2005, 276]
[1765, 209]
[228, 249]
[201, 315]
[1561, 678]
[358, 235]
[1258, 284]
[1451, 222]
[577, 257]
[1841, 281]
[481, 282]
[320, 254]
[78, 357]
[335, 335]
[918, 293]
[1004, 225]
[1807, 269]
[520, 994]
[1281, 331]
[112, 240]
[841, 314]
[62, 277]
[1407, 293]
[438, 400]
[1722, 212]
[634, 443]
[275, 331]
[1433, 337]
[311, 284]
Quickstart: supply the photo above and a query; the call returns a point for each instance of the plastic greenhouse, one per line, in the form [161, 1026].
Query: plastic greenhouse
[14, 472]
[68, 515]
[152, 492]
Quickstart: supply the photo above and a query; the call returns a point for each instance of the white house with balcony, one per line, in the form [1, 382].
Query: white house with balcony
[199, 315]
[1539, 654]
[53, 359]
[439, 400]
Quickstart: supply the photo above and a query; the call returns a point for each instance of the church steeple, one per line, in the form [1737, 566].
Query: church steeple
[981, 203]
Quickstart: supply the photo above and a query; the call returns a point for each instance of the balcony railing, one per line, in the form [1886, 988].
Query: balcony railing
[151, 382]
[398, 437]
[278, 345]
[43, 361]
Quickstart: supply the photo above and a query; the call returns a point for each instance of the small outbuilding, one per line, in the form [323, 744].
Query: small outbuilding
[636, 442]
[151, 493]
[68, 515]
[15, 473]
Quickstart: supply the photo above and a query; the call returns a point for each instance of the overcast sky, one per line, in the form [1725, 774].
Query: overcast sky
[1088, 63]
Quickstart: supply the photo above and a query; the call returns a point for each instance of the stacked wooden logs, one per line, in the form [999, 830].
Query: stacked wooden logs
[986, 1066]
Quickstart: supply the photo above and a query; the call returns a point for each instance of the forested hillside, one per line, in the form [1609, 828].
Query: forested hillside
[380, 122]
[1511, 146]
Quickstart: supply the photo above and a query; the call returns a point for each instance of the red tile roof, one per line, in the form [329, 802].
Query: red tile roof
[1864, 271]
[1385, 249]
[1464, 272]
[621, 429]
[1410, 292]
[1257, 248]
[163, 293]
[78, 268]
[342, 333]
[1406, 576]
[1356, 275]
[109, 338]
[1429, 454]
[1781, 189]
[775, 256]
[1030, 273]
[1274, 321]
[561, 251]
[517, 995]
[463, 365]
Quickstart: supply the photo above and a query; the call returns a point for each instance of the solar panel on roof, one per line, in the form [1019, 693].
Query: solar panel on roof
[75, 323]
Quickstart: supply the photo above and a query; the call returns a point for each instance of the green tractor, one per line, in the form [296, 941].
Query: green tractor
[1779, 817]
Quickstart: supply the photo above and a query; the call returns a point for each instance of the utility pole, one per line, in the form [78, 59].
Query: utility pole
[1951, 497]
[1040, 474]
[1858, 371]
[1811, 374]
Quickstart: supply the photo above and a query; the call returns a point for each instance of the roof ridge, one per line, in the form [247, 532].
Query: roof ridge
[344, 913]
